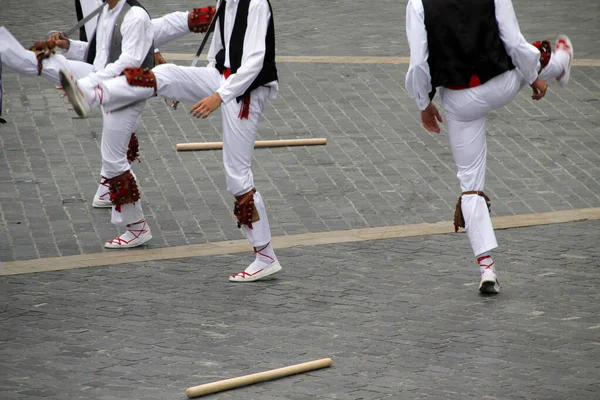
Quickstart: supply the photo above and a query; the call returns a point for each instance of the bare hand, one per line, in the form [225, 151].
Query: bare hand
[60, 41]
[430, 117]
[539, 87]
[159, 59]
[206, 106]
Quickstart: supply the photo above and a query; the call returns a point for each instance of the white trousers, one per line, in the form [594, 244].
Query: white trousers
[466, 113]
[190, 85]
[117, 127]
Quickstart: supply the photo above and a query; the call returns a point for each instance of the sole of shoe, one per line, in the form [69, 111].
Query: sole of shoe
[129, 245]
[270, 270]
[489, 287]
[74, 96]
[101, 204]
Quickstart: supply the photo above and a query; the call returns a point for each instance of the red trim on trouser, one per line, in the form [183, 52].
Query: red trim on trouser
[245, 108]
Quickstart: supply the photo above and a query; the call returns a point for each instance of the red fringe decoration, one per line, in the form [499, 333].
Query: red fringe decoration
[123, 190]
[43, 50]
[140, 77]
[244, 209]
[133, 150]
[545, 52]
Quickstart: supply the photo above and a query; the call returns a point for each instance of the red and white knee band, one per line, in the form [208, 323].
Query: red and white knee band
[123, 190]
[244, 209]
[459, 220]
[545, 53]
[133, 150]
[140, 77]
[200, 18]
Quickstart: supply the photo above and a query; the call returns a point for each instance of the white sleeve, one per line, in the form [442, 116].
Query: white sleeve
[136, 31]
[524, 55]
[254, 51]
[170, 27]
[77, 50]
[418, 77]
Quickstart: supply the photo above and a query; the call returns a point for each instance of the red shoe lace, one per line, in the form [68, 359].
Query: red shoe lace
[245, 274]
[564, 43]
[106, 185]
[120, 241]
[258, 251]
[483, 265]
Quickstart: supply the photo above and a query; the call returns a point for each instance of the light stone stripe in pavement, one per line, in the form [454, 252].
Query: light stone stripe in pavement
[401, 318]
[378, 169]
[282, 242]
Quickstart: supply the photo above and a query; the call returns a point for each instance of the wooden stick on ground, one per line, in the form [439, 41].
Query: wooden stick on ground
[258, 144]
[219, 386]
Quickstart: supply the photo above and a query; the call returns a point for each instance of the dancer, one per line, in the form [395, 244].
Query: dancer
[108, 53]
[241, 75]
[474, 51]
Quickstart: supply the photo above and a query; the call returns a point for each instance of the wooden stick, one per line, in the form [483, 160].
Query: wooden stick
[219, 386]
[257, 144]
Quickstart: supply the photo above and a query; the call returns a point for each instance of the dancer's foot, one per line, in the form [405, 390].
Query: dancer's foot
[563, 43]
[102, 196]
[251, 275]
[489, 282]
[74, 93]
[137, 234]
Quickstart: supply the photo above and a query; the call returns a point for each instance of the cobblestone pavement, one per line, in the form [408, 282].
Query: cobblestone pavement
[379, 166]
[401, 318]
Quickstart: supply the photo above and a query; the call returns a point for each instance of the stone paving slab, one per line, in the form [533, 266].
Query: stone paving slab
[401, 318]
[379, 167]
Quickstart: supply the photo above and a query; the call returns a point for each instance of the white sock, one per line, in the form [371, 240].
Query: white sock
[265, 255]
[485, 262]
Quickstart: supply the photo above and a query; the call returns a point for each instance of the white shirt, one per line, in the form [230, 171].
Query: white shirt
[137, 34]
[254, 50]
[524, 56]
[170, 27]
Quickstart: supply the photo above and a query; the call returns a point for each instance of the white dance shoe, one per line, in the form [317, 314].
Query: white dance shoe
[269, 270]
[563, 43]
[76, 97]
[137, 234]
[102, 200]
[489, 282]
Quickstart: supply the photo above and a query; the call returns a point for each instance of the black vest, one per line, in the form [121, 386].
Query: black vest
[79, 12]
[91, 54]
[463, 39]
[268, 72]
